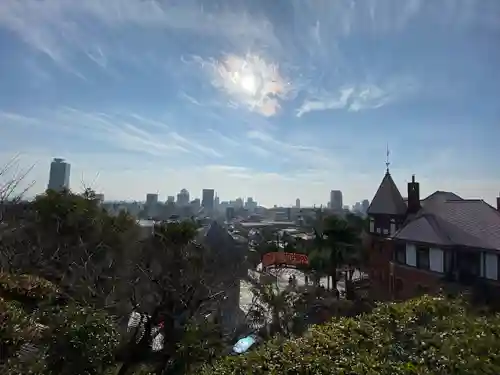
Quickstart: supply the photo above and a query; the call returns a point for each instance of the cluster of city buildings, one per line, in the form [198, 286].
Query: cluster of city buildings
[210, 205]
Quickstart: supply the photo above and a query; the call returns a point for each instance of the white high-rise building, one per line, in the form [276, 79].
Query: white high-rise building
[59, 175]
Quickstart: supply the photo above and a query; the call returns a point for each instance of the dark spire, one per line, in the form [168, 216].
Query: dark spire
[387, 199]
[387, 162]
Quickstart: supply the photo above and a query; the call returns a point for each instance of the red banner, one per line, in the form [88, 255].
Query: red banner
[284, 259]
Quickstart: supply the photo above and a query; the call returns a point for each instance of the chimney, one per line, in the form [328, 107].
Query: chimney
[498, 202]
[413, 196]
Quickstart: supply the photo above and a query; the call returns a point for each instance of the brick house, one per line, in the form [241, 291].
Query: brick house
[417, 245]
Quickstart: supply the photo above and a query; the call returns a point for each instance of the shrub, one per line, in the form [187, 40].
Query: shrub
[16, 328]
[80, 340]
[422, 336]
[27, 289]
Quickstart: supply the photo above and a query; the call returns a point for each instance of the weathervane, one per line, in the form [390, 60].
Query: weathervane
[387, 162]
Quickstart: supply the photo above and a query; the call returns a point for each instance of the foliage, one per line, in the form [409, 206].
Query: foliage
[338, 243]
[16, 327]
[65, 244]
[281, 312]
[70, 240]
[69, 339]
[422, 336]
[27, 289]
[176, 283]
[79, 341]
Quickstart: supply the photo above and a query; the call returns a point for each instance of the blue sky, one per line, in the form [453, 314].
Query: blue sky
[271, 99]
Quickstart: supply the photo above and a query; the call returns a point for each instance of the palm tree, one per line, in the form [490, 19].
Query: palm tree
[281, 312]
[341, 241]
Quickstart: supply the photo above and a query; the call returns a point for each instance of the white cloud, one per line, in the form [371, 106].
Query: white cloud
[248, 81]
[360, 97]
[126, 132]
[55, 27]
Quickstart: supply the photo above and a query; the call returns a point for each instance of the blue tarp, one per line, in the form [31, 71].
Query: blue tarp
[244, 344]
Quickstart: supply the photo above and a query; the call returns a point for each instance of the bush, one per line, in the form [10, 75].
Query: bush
[68, 339]
[81, 341]
[27, 289]
[16, 328]
[428, 335]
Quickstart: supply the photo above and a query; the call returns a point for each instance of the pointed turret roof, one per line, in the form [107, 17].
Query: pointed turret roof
[387, 199]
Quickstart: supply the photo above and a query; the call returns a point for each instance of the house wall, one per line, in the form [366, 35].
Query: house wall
[391, 280]
[409, 282]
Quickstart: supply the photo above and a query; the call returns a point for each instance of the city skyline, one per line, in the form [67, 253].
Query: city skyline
[274, 100]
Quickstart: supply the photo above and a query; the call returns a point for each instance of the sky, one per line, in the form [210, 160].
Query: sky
[276, 100]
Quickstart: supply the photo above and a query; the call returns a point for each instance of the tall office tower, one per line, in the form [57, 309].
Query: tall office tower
[297, 203]
[151, 206]
[183, 198]
[207, 199]
[59, 175]
[151, 199]
[336, 200]
[364, 205]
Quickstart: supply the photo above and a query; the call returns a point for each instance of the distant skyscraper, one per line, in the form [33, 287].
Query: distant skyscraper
[207, 199]
[230, 213]
[183, 198]
[151, 206]
[297, 203]
[59, 175]
[336, 200]
[151, 199]
[364, 205]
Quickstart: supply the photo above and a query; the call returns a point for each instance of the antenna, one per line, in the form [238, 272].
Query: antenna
[387, 162]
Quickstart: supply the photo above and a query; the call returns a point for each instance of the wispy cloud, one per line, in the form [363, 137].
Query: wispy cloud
[126, 132]
[248, 81]
[300, 156]
[55, 27]
[359, 97]
[224, 88]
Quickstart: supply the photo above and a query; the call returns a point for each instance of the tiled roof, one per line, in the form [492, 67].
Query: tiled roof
[387, 199]
[439, 197]
[462, 222]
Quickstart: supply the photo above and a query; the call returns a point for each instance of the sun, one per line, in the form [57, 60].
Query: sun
[248, 83]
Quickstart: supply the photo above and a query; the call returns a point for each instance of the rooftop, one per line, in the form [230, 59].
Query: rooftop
[455, 222]
[387, 199]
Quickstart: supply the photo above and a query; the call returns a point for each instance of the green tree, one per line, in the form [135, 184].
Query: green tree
[282, 312]
[177, 284]
[342, 241]
[70, 240]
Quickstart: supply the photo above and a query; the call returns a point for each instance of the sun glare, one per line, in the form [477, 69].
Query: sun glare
[248, 83]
